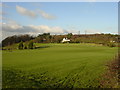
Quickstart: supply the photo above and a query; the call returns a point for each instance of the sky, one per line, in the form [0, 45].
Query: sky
[58, 18]
[59, 0]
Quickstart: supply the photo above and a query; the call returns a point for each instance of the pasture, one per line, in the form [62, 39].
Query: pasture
[56, 66]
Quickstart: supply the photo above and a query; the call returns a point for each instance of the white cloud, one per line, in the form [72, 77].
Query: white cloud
[12, 26]
[12, 29]
[25, 11]
[46, 29]
[9, 29]
[46, 15]
[33, 14]
[91, 31]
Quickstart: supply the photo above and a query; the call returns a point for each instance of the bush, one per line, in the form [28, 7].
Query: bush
[69, 35]
[25, 47]
[30, 45]
[20, 45]
[111, 44]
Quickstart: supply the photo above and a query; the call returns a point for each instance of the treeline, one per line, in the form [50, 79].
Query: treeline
[91, 38]
[16, 39]
[105, 39]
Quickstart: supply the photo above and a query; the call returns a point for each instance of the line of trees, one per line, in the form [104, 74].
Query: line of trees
[104, 39]
[16, 39]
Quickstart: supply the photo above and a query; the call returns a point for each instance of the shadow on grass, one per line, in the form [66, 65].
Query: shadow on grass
[40, 47]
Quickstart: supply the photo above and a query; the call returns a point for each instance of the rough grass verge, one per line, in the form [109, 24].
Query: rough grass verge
[111, 78]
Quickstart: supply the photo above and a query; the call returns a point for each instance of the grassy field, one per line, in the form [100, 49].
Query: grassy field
[56, 66]
[0, 69]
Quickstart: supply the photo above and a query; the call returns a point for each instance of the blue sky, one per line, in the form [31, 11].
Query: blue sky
[61, 17]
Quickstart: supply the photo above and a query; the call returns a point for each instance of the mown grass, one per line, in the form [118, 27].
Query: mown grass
[0, 69]
[56, 66]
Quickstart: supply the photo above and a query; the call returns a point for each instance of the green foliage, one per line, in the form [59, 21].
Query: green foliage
[43, 38]
[30, 45]
[47, 38]
[20, 46]
[60, 66]
[25, 47]
[69, 35]
[111, 44]
[16, 39]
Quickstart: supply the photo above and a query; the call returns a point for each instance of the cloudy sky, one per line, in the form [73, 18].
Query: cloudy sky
[58, 17]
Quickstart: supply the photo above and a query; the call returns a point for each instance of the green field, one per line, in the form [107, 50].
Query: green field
[56, 66]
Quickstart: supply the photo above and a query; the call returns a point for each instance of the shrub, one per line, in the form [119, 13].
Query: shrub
[20, 45]
[25, 47]
[69, 35]
[30, 45]
[111, 44]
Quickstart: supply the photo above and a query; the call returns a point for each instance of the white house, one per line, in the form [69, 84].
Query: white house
[112, 41]
[65, 40]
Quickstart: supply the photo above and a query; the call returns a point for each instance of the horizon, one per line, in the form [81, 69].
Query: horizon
[60, 34]
[59, 18]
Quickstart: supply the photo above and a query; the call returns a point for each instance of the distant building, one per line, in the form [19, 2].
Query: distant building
[112, 41]
[65, 40]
